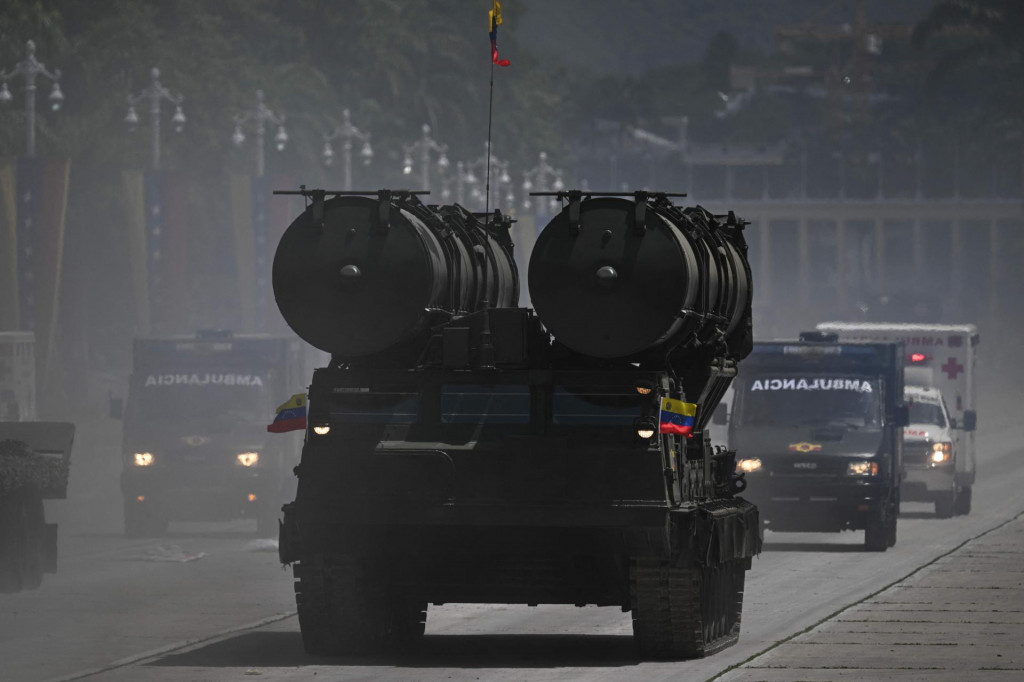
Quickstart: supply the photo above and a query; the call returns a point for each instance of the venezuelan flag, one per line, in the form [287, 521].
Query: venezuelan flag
[494, 21]
[677, 417]
[291, 416]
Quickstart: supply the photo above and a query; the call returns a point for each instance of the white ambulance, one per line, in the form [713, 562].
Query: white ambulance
[942, 356]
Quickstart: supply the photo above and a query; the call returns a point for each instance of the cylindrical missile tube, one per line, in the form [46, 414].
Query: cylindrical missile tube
[612, 277]
[357, 275]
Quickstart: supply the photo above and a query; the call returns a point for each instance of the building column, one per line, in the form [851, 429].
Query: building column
[918, 250]
[804, 264]
[841, 279]
[957, 265]
[879, 254]
[764, 277]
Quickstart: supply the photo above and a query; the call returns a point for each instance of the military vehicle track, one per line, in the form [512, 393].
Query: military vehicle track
[347, 607]
[21, 538]
[685, 612]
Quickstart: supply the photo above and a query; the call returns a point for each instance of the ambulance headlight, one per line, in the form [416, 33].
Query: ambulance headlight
[862, 468]
[941, 452]
[248, 459]
[142, 459]
[748, 466]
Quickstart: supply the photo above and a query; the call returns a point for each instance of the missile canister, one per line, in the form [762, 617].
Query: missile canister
[356, 275]
[617, 278]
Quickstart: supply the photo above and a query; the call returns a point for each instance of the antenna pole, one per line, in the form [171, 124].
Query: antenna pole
[490, 111]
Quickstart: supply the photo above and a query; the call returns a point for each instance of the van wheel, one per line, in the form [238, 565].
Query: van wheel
[962, 507]
[879, 531]
[945, 505]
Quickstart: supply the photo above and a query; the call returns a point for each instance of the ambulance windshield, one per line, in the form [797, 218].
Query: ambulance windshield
[926, 413]
[790, 400]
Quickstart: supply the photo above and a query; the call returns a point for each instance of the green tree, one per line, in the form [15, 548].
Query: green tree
[983, 54]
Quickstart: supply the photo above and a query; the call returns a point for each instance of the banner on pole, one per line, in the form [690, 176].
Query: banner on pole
[9, 318]
[135, 224]
[243, 221]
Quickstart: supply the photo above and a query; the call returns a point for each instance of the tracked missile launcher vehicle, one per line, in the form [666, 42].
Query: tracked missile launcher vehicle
[463, 449]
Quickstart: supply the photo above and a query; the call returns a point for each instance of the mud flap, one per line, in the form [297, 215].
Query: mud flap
[720, 532]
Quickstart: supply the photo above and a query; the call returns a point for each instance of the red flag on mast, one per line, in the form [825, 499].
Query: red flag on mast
[494, 21]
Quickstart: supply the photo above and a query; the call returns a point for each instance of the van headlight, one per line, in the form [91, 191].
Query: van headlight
[748, 466]
[248, 459]
[862, 468]
[941, 453]
[142, 459]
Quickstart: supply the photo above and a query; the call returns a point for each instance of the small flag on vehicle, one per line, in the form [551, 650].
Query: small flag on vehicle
[677, 417]
[291, 416]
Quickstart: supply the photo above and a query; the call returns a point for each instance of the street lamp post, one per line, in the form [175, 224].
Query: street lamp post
[462, 179]
[261, 115]
[155, 93]
[499, 175]
[347, 132]
[424, 146]
[30, 67]
[541, 178]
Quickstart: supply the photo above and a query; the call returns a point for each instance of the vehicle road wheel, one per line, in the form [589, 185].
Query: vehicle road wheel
[344, 608]
[963, 501]
[878, 532]
[945, 505]
[141, 522]
[891, 526]
[22, 534]
[681, 613]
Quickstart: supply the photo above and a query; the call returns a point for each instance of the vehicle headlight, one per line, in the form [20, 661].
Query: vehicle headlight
[142, 459]
[862, 468]
[645, 428]
[941, 452]
[322, 429]
[644, 386]
[748, 466]
[248, 459]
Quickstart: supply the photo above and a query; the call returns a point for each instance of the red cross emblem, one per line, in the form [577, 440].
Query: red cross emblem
[952, 368]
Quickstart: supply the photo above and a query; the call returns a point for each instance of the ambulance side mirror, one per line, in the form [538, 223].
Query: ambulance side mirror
[970, 422]
[720, 417]
[901, 416]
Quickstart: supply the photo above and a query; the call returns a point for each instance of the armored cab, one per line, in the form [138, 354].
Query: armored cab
[464, 449]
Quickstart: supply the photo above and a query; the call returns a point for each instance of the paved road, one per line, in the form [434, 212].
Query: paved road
[209, 603]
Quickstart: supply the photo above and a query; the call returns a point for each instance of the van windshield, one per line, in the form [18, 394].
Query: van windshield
[786, 400]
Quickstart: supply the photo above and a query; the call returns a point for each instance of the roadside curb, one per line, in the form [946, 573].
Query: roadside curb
[740, 665]
[171, 648]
